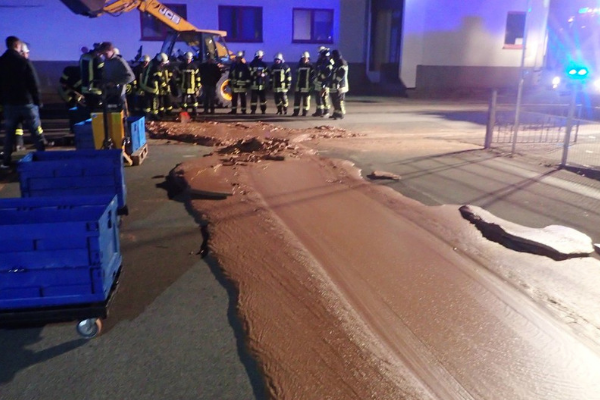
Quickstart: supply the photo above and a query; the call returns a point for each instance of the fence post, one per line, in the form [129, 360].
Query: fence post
[569, 126]
[489, 132]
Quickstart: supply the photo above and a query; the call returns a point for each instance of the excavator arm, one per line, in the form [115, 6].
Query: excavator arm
[95, 8]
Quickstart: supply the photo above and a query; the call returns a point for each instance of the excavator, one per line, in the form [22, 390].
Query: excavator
[202, 42]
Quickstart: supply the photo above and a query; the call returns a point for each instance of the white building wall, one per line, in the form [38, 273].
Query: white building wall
[467, 33]
[56, 34]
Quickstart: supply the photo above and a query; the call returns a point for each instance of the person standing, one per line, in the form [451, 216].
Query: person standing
[189, 83]
[323, 69]
[258, 83]
[20, 95]
[90, 66]
[305, 77]
[155, 85]
[338, 85]
[281, 80]
[115, 77]
[239, 79]
[137, 92]
[210, 74]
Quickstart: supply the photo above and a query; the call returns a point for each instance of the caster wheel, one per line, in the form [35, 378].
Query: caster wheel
[89, 328]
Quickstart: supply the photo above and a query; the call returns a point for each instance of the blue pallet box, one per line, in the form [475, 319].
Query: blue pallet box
[57, 251]
[73, 173]
[137, 132]
[84, 135]
[76, 115]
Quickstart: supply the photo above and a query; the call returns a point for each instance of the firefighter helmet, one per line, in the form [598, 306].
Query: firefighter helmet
[146, 58]
[189, 55]
[325, 52]
[306, 54]
[116, 51]
[162, 57]
[24, 48]
[279, 56]
[240, 54]
[259, 54]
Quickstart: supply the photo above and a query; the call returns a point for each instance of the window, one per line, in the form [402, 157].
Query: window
[312, 26]
[515, 30]
[153, 29]
[242, 24]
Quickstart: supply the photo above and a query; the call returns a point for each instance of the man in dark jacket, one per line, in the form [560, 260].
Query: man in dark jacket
[210, 74]
[115, 77]
[20, 94]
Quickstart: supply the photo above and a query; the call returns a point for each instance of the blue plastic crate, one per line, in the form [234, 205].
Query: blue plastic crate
[73, 173]
[58, 251]
[76, 115]
[137, 131]
[84, 135]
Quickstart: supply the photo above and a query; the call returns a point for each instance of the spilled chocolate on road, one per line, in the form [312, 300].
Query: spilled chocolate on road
[348, 290]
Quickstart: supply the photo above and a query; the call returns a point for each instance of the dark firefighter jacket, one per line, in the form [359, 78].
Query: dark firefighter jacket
[70, 82]
[339, 77]
[323, 70]
[155, 79]
[305, 77]
[91, 65]
[258, 72]
[281, 77]
[189, 78]
[239, 77]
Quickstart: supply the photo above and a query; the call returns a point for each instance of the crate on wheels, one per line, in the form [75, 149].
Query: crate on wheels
[74, 173]
[60, 259]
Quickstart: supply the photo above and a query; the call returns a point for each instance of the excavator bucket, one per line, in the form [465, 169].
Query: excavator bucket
[89, 8]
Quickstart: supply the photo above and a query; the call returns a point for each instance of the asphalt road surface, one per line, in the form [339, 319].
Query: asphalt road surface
[172, 332]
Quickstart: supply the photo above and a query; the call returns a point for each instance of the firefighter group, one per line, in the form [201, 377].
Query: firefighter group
[162, 85]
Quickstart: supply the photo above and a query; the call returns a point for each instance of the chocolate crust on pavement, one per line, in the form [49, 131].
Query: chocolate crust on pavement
[555, 241]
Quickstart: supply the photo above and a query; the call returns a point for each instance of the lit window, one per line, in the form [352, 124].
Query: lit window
[153, 29]
[515, 30]
[312, 25]
[242, 24]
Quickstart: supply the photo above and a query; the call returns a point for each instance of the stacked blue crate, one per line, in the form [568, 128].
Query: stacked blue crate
[137, 132]
[57, 251]
[84, 136]
[73, 173]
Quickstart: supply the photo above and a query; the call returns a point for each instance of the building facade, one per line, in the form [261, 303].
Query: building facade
[422, 44]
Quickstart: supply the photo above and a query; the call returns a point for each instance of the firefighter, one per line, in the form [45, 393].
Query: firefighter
[258, 83]
[155, 85]
[70, 86]
[189, 83]
[138, 94]
[90, 66]
[323, 69]
[338, 85]
[239, 80]
[281, 80]
[210, 74]
[305, 77]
